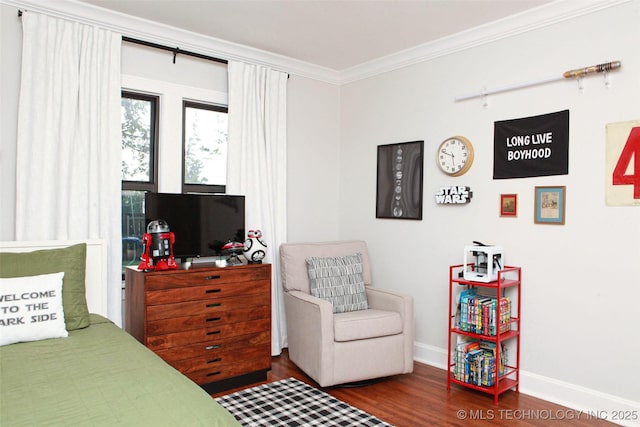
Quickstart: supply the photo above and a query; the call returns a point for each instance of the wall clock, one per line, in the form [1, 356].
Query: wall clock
[455, 155]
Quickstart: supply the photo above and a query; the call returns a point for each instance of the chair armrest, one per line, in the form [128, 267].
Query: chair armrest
[312, 317]
[310, 334]
[403, 304]
[392, 301]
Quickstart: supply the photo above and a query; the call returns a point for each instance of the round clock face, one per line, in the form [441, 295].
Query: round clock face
[455, 155]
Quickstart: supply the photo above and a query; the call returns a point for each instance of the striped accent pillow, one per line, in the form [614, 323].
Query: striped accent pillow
[339, 281]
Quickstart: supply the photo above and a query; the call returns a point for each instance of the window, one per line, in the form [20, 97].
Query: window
[202, 157]
[139, 168]
[204, 142]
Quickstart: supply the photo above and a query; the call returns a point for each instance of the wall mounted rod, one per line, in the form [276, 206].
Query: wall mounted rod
[571, 74]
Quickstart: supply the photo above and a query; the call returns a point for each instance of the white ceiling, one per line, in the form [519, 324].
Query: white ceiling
[335, 34]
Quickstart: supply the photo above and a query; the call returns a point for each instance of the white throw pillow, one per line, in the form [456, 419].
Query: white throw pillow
[31, 308]
[338, 280]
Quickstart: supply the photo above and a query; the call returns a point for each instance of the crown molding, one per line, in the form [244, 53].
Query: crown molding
[545, 15]
[542, 16]
[166, 35]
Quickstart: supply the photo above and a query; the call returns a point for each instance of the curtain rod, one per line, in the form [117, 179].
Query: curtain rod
[175, 50]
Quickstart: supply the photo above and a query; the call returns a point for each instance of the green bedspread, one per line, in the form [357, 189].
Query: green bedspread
[98, 376]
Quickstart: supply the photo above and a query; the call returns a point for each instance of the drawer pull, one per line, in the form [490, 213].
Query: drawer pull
[212, 291]
[213, 333]
[211, 277]
[213, 319]
[217, 359]
[211, 374]
[215, 304]
[213, 347]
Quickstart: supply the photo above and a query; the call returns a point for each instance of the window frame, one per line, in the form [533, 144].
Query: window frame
[198, 188]
[151, 185]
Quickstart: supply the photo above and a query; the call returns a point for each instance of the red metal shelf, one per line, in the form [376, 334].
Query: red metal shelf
[510, 379]
[493, 338]
[504, 384]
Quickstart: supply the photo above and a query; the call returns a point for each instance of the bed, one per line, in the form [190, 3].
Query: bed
[98, 375]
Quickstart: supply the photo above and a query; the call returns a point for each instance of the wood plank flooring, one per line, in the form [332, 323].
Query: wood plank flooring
[421, 399]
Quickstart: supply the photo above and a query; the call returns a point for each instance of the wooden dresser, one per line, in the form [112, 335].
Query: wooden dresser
[211, 324]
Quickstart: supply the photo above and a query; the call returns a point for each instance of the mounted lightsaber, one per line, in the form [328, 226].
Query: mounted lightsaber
[571, 74]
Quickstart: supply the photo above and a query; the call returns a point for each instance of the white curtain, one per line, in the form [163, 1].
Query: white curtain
[69, 138]
[257, 164]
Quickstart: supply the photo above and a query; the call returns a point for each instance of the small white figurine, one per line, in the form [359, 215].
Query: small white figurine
[254, 248]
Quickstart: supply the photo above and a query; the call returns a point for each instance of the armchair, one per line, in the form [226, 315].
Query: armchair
[338, 348]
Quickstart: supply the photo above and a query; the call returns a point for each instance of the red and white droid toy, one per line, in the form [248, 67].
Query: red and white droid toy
[158, 247]
[255, 249]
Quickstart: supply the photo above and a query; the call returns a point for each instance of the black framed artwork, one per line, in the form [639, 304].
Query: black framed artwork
[399, 180]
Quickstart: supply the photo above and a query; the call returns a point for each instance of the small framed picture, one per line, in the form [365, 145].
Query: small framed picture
[509, 205]
[549, 205]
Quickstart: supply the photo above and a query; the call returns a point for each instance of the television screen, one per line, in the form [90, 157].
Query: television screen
[201, 223]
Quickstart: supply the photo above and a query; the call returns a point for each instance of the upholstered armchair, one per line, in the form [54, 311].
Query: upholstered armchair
[358, 344]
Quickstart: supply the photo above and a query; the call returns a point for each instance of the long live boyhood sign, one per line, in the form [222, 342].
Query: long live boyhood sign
[531, 146]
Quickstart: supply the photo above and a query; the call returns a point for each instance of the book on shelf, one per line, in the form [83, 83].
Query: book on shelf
[461, 372]
[477, 362]
[478, 313]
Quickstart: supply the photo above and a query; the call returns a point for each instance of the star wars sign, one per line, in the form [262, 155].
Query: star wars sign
[454, 195]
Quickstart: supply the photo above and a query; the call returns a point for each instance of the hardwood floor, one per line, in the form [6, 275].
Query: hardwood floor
[421, 399]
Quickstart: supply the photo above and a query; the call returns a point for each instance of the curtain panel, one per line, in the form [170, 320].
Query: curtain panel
[257, 164]
[69, 138]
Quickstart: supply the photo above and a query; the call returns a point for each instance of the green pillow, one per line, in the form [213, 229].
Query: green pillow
[71, 260]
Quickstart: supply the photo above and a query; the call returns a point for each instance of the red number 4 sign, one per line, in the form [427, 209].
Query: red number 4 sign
[623, 153]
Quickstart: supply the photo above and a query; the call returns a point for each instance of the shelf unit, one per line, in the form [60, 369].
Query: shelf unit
[509, 280]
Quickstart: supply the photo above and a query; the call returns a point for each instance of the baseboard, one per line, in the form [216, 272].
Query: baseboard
[587, 402]
[430, 355]
[591, 403]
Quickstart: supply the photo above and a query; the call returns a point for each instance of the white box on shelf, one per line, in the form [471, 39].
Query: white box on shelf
[482, 263]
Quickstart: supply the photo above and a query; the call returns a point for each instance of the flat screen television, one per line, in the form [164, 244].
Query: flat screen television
[201, 223]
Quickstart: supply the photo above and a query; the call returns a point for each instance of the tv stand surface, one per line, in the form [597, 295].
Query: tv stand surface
[200, 264]
[209, 262]
[212, 324]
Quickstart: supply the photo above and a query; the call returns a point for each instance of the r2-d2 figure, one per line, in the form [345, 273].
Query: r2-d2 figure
[254, 247]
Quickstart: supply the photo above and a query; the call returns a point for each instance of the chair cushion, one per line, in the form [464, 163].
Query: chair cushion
[339, 281]
[364, 324]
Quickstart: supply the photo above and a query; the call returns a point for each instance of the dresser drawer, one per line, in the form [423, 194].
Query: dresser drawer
[182, 279]
[222, 348]
[207, 320]
[231, 369]
[217, 333]
[206, 306]
[209, 290]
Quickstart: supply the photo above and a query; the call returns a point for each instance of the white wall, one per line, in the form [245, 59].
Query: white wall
[313, 148]
[581, 281]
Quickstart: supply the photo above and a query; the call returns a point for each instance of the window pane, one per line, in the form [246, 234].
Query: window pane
[133, 227]
[205, 145]
[137, 136]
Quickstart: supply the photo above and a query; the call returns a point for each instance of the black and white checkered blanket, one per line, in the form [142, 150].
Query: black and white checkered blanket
[293, 403]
